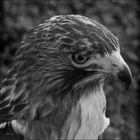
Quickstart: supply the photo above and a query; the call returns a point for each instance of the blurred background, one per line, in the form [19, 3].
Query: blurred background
[17, 17]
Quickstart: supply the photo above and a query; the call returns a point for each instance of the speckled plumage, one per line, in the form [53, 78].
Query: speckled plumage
[46, 93]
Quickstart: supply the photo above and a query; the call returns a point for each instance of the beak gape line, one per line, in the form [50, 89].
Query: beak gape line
[125, 76]
[122, 70]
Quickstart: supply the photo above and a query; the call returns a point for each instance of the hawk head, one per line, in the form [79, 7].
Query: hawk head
[60, 58]
[68, 53]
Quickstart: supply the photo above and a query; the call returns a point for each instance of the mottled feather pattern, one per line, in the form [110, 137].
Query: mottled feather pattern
[44, 85]
[72, 31]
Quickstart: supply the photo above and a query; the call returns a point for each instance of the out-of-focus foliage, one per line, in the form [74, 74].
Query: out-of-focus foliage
[18, 17]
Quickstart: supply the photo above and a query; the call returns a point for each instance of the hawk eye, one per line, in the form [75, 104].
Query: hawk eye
[79, 58]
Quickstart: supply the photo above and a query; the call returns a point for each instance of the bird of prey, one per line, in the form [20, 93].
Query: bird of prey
[55, 88]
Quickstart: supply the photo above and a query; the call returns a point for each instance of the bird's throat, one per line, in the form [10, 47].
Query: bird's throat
[87, 119]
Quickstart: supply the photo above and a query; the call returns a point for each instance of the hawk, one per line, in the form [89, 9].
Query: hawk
[55, 88]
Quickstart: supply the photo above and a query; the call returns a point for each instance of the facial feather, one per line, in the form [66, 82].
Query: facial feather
[48, 87]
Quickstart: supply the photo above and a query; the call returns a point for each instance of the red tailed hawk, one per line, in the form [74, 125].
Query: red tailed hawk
[55, 88]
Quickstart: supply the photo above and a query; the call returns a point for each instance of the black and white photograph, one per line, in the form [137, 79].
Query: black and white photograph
[69, 69]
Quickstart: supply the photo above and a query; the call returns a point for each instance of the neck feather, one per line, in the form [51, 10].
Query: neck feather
[87, 119]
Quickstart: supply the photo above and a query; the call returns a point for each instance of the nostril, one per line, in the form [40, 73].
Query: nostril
[114, 65]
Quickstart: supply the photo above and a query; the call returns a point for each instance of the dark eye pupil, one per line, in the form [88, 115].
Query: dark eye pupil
[80, 57]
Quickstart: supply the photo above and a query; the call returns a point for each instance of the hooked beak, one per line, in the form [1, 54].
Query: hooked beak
[121, 69]
[125, 76]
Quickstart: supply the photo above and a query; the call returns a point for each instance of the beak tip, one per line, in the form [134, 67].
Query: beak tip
[129, 83]
[125, 76]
